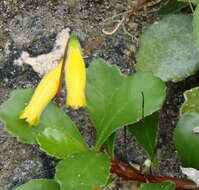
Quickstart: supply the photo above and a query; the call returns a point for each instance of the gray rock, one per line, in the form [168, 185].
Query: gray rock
[19, 162]
[32, 26]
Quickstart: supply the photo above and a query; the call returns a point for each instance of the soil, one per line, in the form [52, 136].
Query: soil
[32, 26]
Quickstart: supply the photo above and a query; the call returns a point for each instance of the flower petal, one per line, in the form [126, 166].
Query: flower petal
[75, 75]
[43, 94]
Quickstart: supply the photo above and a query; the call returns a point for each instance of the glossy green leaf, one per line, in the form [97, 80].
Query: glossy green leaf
[196, 24]
[168, 49]
[191, 103]
[157, 186]
[52, 117]
[83, 171]
[186, 138]
[40, 184]
[145, 133]
[115, 100]
[172, 6]
[59, 143]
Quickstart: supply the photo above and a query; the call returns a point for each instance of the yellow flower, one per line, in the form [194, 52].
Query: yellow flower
[75, 75]
[43, 94]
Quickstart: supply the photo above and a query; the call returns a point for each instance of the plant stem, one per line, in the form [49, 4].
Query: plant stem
[128, 172]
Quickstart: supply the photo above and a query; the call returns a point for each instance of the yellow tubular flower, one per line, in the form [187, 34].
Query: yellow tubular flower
[75, 75]
[43, 94]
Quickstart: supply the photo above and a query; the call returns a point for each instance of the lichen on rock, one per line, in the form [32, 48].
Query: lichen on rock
[44, 63]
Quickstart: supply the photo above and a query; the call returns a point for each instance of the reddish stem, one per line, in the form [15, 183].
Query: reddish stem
[128, 172]
[95, 44]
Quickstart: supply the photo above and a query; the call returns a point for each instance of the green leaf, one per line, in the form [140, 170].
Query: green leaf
[145, 133]
[196, 24]
[191, 103]
[9, 114]
[40, 184]
[168, 50]
[157, 186]
[109, 145]
[186, 139]
[60, 143]
[172, 6]
[52, 118]
[115, 100]
[83, 171]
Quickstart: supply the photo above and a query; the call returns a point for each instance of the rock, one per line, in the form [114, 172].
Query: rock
[5, 44]
[19, 162]
[33, 25]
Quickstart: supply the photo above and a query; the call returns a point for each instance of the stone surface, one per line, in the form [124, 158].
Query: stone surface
[19, 162]
[32, 26]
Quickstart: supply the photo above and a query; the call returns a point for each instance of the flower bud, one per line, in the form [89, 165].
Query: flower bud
[75, 75]
[44, 93]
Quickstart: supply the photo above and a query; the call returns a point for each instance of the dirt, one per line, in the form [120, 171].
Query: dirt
[32, 26]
